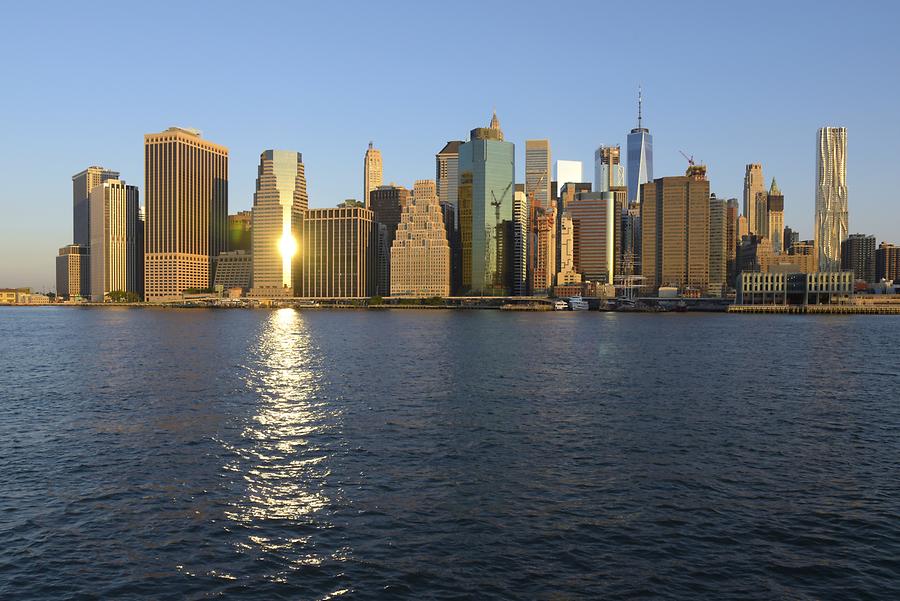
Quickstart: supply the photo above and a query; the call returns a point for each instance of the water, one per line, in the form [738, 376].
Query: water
[198, 454]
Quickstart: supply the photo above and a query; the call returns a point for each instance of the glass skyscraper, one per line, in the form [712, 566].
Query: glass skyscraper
[278, 207]
[486, 179]
[640, 157]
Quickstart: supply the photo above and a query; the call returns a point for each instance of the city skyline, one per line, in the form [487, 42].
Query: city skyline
[723, 129]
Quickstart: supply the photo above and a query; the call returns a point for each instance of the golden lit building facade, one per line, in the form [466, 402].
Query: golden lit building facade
[373, 172]
[675, 231]
[545, 250]
[279, 204]
[186, 188]
[82, 184]
[337, 253]
[115, 223]
[420, 254]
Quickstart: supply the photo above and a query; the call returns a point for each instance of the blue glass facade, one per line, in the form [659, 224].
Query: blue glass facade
[640, 161]
[486, 188]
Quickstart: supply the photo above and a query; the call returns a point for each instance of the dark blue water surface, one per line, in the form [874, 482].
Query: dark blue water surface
[193, 454]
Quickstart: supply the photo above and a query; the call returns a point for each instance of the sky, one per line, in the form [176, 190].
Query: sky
[729, 83]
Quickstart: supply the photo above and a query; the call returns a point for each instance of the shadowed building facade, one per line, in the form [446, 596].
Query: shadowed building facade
[279, 204]
[186, 188]
[240, 226]
[420, 254]
[486, 178]
[858, 256]
[73, 272]
[386, 204]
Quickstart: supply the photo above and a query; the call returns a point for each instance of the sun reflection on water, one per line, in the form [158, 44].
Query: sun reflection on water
[281, 458]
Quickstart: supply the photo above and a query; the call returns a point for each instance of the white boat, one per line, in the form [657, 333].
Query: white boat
[560, 305]
[576, 303]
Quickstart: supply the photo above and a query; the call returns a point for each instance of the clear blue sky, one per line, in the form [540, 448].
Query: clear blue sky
[730, 83]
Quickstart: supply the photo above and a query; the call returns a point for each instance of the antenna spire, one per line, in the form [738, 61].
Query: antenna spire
[640, 103]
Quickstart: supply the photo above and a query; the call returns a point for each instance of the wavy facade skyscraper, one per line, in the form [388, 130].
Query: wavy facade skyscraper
[832, 220]
[640, 155]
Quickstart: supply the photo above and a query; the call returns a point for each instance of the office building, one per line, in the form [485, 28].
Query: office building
[594, 218]
[789, 239]
[451, 226]
[521, 242]
[545, 250]
[486, 178]
[279, 202]
[608, 170]
[887, 262]
[731, 238]
[569, 172]
[858, 256]
[186, 187]
[775, 217]
[233, 269]
[114, 228]
[82, 184]
[387, 204]
[718, 245]
[631, 240]
[566, 276]
[537, 173]
[754, 186]
[420, 254]
[240, 226]
[831, 223]
[675, 231]
[447, 173]
[337, 253]
[743, 226]
[640, 155]
[372, 172]
[73, 272]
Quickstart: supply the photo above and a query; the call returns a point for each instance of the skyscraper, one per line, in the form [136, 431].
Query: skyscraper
[186, 186]
[640, 155]
[372, 172]
[775, 214]
[568, 172]
[538, 194]
[545, 251]
[732, 237]
[279, 203]
[73, 272]
[594, 221]
[718, 244]
[521, 242]
[82, 184]
[675, 231]
[753, 186]
[447, 172]
[831, 196]
[386, 204]
[567, 274]
[608, 170]
[858, 256]
[887, 262]
[337, 253]
[420, 255]
[114, 237]
[240, 226]
[486, 178]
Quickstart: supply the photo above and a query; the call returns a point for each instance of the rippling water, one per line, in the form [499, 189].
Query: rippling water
[320, 455]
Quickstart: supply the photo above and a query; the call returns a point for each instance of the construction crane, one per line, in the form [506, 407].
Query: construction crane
[690, 159]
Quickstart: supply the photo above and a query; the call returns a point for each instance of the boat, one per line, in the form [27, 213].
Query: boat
[560, 305]
[576, 303]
